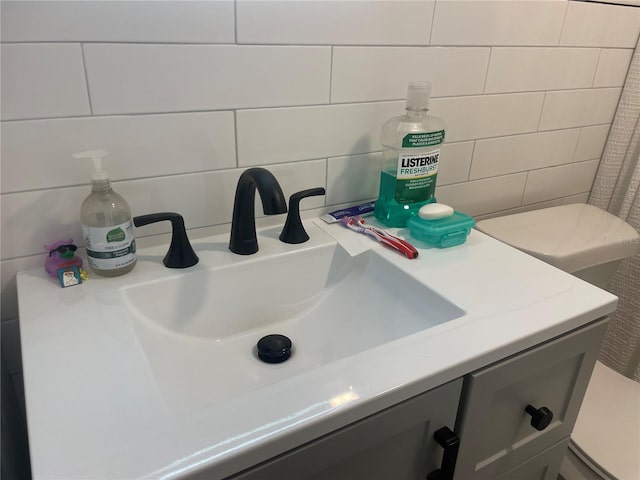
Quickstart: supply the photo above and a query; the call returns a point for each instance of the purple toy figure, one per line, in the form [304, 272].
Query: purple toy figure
[61, 255]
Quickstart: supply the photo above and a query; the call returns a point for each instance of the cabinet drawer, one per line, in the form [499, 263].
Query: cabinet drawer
[495, 431]
[543, 466]
[396, 443]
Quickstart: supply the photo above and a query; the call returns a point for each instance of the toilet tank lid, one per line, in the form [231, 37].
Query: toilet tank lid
[571, 237]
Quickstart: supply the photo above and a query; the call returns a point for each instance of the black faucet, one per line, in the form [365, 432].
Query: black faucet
[243, 239]
[180, 254]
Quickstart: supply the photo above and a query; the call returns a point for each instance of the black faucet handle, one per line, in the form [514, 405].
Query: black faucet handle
[180, 254]
[293, 231]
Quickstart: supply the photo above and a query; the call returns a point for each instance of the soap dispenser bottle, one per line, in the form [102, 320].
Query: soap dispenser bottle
[411, 154]
[107, 224]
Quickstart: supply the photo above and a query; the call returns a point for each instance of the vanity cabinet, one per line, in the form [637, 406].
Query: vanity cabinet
[498, 439]
[496, 433]
[543, 466]
[397, 443]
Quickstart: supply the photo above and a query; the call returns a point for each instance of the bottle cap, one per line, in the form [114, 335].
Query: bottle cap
[418, 95]
[96, 157]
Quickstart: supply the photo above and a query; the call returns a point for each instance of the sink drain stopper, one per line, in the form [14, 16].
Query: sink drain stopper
[274, 348]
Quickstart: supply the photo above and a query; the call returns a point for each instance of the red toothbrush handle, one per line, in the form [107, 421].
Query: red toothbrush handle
[401, 246]
[398, 243]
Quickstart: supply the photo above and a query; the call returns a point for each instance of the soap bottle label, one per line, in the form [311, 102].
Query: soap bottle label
[109, 248]
[417, 171]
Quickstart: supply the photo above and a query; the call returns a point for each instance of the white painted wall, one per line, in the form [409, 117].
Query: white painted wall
[185, 95]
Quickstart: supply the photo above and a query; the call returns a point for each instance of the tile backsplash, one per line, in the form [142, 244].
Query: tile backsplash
[185, 95]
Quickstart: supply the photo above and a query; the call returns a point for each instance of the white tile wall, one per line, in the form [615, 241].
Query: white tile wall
[591, 142]
[528, 69]
[121, 21]
[612, 67]
[497, 22]
[519, 153]
[366, 22]
[288, 134]
[139, 146]
[353, 178]
[555, 182]
[186, 95]
[452, 71]
[524, 208]
[489, 115]
[598, 25]
[132, 78]
[457, 161]
[497, 193]
[575, 108]
[42, 80]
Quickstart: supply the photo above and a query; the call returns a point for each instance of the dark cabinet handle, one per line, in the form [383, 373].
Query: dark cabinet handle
[293, 231]
[451, 443]
[540, 417]
[180, 254]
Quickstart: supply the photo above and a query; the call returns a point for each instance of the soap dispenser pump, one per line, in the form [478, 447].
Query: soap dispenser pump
[107, 224]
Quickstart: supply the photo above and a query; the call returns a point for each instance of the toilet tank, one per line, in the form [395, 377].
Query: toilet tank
[577, 238]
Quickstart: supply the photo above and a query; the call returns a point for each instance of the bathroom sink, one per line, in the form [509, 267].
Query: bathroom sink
[199, 330]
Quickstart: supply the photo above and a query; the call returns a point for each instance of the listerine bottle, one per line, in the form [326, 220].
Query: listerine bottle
[107, 224]
[411, 155]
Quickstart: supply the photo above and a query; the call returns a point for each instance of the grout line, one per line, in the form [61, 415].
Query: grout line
[575, 148]
[532, 132]
[86, 78]
[225, 109]
[433, 21]
[475, 180]
[358, 45]
[235, 21]
[19, 257]
[506, 174]
[308, 105]
[198, 172]
[295, 162]
[524, 189]
[331, 76]
[473, 151]
[564, 21]
[235, 135]
[486, 73]
[544, 101]
[595, 72]
[503, 212]
[326, 180]
[168, 175]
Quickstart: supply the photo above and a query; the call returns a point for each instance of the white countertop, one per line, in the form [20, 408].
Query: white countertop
[95, 409]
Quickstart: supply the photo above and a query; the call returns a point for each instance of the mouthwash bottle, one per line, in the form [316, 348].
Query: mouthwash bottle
[411, 154]
[107, 225]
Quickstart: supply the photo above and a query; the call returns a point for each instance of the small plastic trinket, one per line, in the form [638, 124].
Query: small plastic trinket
[63, 264]
[69, 276]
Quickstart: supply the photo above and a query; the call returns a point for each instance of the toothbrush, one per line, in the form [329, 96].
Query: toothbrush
[381, 236]
[381, 232]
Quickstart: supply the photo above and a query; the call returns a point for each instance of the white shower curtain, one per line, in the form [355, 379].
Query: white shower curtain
[616, 189]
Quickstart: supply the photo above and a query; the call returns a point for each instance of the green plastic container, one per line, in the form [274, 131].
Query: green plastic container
[443, 232]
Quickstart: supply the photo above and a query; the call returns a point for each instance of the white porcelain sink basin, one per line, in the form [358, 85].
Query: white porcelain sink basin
[199, 330]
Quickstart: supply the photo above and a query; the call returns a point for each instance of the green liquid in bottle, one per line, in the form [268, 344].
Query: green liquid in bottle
[410, 149]
[387, 209]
